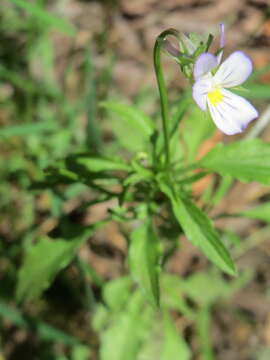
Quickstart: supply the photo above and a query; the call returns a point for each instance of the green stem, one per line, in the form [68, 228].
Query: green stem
[162, 88]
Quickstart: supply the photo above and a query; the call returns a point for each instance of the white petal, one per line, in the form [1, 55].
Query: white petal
[204, 64]
[234, 70]
[233, 113]
[200, 90]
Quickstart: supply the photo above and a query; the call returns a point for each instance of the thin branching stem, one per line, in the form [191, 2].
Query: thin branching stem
[162, 88]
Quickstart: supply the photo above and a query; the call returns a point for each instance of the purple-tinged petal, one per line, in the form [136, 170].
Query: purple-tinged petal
[204, 64]
[233, 113]
[222, 36]
[234, 70]
[200, 90]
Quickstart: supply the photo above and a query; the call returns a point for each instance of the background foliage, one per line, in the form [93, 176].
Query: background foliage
[69, 288]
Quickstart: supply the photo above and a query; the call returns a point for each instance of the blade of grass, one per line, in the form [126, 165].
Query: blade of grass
[92, 131]
[27, 129]
[46, 17]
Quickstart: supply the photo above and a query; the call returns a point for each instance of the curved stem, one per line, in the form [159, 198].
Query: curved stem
[162, 88]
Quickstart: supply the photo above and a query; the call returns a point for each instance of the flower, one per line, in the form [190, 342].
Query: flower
[231, 113]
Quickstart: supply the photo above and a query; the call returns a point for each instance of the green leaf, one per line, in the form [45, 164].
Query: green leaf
[255, 91]
[56, 176]
[101, 317]
[194, 285]
[123, 338]
[172, 295]
[174, 346]
[222, 189]
[135, 178]
[141, 174]
[204, 129]
[203, 325]
[261, 212]
[247, 160]
[144, 259]
[80, 352]
[199, 230]
[257, 73]
[117, 292]
[43, 261]
[28, 129]
[131, 126]
[97, 164]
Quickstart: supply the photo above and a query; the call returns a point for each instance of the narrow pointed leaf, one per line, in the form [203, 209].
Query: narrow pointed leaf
[199, 230]
[97, 164]
[261, 212]
[144, 258]
[174, 346]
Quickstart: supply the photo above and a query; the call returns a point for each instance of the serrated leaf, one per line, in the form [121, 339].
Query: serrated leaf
[42, 263]
[261, 212]
[247, 160]
[174, 346]
[131, 126]
[199, 230]
[144, 259]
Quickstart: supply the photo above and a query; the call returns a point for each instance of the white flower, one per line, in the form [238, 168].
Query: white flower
[231, 113]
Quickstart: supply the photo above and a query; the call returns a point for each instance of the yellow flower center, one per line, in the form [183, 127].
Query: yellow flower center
[215, 97]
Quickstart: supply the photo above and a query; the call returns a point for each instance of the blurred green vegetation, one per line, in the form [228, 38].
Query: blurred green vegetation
[47, 114]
